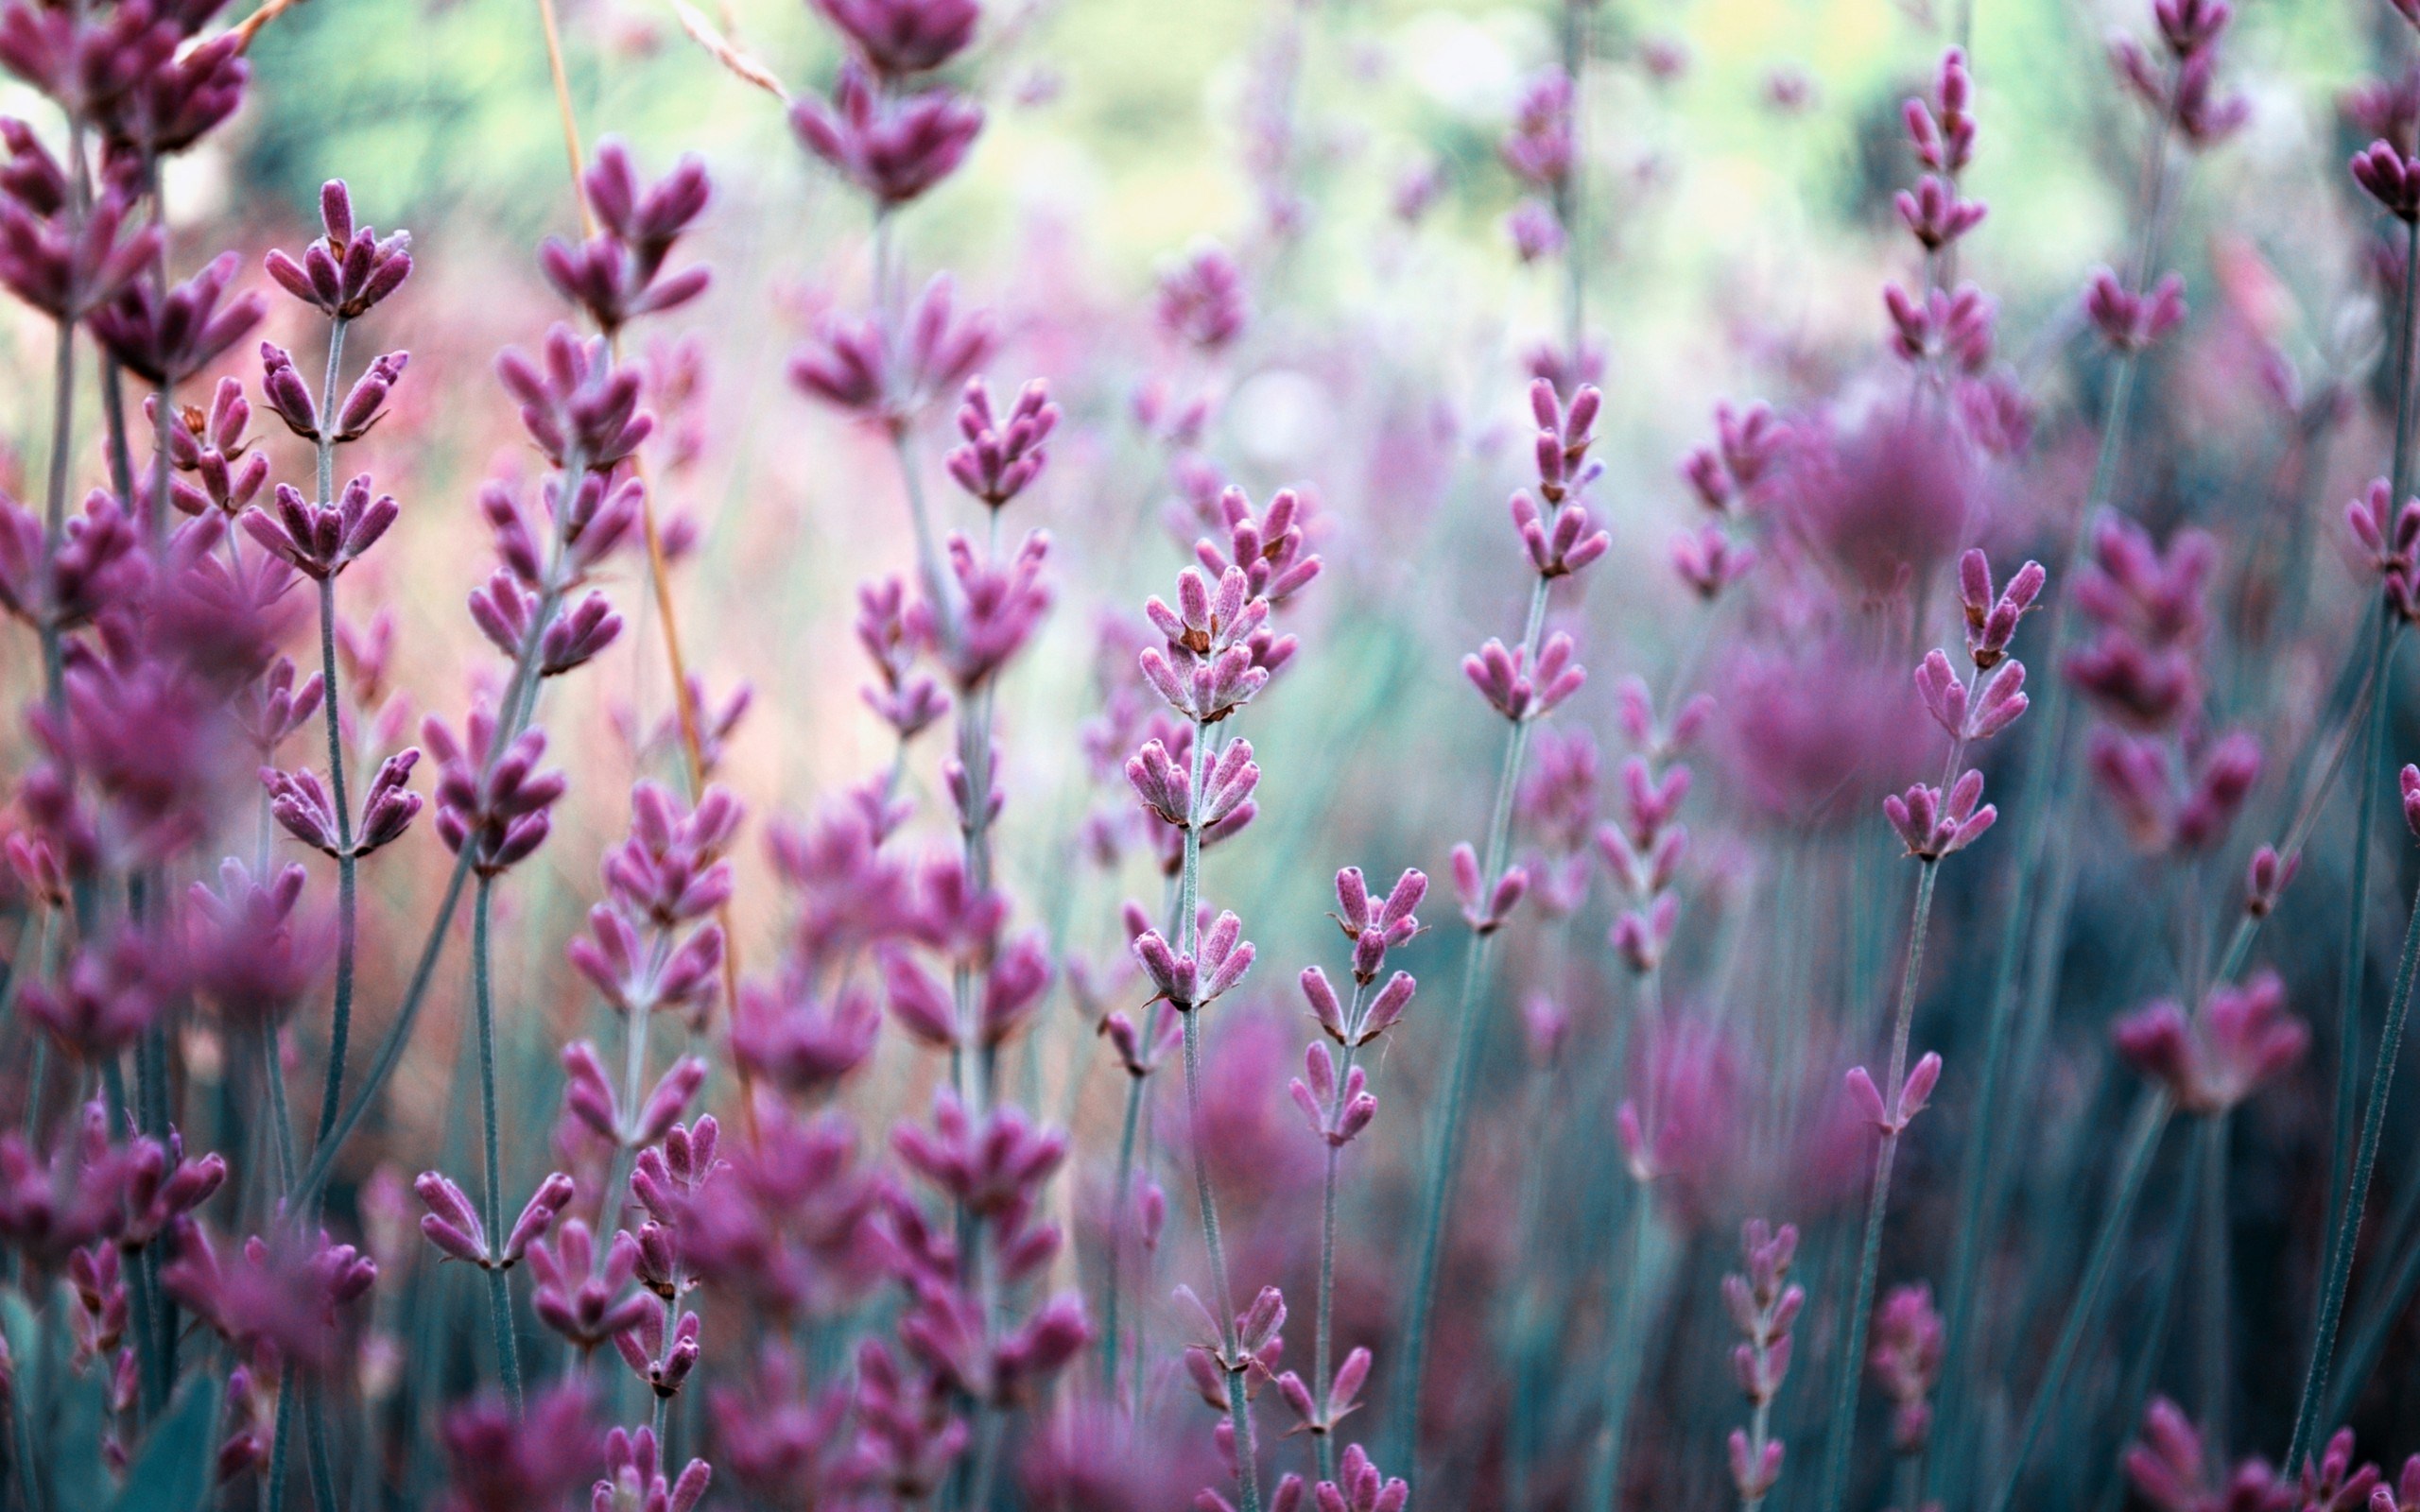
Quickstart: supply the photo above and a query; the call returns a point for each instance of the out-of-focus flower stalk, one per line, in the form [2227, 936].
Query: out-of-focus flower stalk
[1840, 1435]
[2349, 1216]
[63, 438]
[1444, 1154]
[1122, 1201]
[1569, 206]
[2142, 1143]
[2047, 792]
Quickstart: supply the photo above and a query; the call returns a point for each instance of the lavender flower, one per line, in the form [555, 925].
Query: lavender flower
[349, 269]
[894, 147]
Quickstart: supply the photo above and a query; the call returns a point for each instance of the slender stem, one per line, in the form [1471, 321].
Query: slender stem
[278, 1474]
[1444, 1156]
[1622, 1361]
[1188, 938]
[1121, 1208]
[562, 105]
[2346, 1201]
[340, 1014]
[520, 699]
[1850, 1370]
[2047, 788]
[1321, 1434]
[1323, 1336]
[2217, 1275]
[2208, 1142]
[499, 1292]
[315, 1449]
[929, 557]
[1569, 206]
[280, 1122]
[2148, 1122]
[62, 442]
[2348, 1227]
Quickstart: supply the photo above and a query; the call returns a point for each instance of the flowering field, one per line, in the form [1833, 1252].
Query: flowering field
[1091, 756]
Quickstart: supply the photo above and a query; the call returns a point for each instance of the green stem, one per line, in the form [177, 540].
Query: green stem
[1188, 894]
[2043, 792]
[62, 442]
[1444, 1156]
[2217, 1278]
[2208, 1146]
[1121, 1208]
[1623, 1363]
[2348, 1227]
[499, 1292]
[1324, 1335]
[1850, 1370]
[520, 699]
[2149, 1124]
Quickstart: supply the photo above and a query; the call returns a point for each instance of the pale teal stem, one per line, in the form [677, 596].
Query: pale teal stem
[62, 442]
[1850, 1369]
[2045, 789]
[1324, 1335]
[1121, 1211]
[2348, 1230]
[520, 699]
[508, 1354]
[2149, 1124]
[1444, 1156]
[2345, 1201]
[1622, 1361]
[340, 1014]
[1189, 942]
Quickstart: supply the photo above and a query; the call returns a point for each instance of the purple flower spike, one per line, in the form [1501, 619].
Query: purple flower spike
[852, 364]
[1944, 143]
[1486, 905]
[1934, 213]
[1564, 549]
[618, 274]
[898, 38]
[1360, 1488]
[1191, 981]
[350, 268]
[492, 800]
[1518, 690]
[1002, 456]
[1271, 548]
[1932, 826]
[1915, 1090]
[2244, 1038]
[321, 540]
[894, 147]
[1906, 1358]
[577, 1299]
[1337, 1113]
[166, 339]
[577, 404]
[1991, 623]
[1202, 301]
[2170, 1470]
[1543, 144]
[2130, 322]
[62, 267]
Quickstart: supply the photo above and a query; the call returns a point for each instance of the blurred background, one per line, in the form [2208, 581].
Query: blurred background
[1736, 225]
